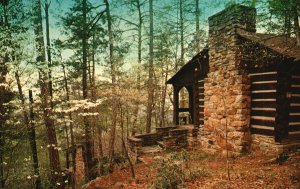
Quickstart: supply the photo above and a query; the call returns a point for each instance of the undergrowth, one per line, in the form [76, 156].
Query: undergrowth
[174, 170]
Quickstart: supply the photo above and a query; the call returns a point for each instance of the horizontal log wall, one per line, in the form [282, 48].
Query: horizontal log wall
[263, 102]
[294, 113]
[201, 102]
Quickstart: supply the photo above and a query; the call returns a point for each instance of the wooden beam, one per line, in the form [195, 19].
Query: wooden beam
[261, 73]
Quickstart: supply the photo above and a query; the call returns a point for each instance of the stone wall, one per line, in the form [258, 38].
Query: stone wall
[227, 87]
[264, 143]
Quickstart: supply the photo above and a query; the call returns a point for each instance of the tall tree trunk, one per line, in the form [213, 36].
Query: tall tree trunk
[181, 26]
[114, 87]
[32, 139]
[124, 145]
[151, 71]
[3, 72]
[296, 25]
[45, 102]
[2, 181]
[30, 129]
[163, 99]
[197, 11]
[68, 146]
[88, 132]
[47, 5]
[101, 163]
[73, 147]
[136, 111]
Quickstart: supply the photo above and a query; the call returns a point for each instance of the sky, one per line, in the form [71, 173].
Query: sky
[58, 8]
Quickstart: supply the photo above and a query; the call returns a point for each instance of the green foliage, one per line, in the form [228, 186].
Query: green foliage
[174, 170]
[169, 174]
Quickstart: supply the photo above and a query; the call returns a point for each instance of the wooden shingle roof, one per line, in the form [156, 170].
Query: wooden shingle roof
[282, 44]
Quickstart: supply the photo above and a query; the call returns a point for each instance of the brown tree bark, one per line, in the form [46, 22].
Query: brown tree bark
[30, 129]
[73, 146]
[3, 72]
[100, 148]
[163, 99]
[139, 25]
[124, 145]
[87, 128]
[181, 26]
[114, 88]
[197, 11]
[151, 71]
[296, 25]
[55, 168]
[47, 5]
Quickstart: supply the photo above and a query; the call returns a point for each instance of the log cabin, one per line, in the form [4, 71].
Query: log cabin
[244, 86]
[241, 93]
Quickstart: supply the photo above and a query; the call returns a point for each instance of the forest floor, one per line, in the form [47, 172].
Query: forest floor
[202, 170]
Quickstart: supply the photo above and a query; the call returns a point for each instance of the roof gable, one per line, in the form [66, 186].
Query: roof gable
[194, 68]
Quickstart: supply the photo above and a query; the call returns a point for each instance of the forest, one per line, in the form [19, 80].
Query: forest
[87, 73]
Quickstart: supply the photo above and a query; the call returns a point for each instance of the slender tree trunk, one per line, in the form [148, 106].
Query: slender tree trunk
[127, 123]
[45, 102]
[124, 145]
[122, 128]
[3, 72]
[151, 71]
[181, 26]
[114, 87]
[163, 99]
[73, 147]
[30, 129]
[140, 24]
[101, 163]
[296, 25]
[32, 139]
[2, 181]
[47, 5]
[87, 128]
[2, 122]
[197, 26]
[68, 147]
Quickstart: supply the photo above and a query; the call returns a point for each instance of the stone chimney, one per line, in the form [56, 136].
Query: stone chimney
[227, 87]
[235, 16]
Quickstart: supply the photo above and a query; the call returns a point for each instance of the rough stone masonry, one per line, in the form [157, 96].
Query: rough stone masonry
[227, 86]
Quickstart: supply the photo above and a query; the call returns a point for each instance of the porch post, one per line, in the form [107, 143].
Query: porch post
[176, 105]
[191, 103]
[196, 104]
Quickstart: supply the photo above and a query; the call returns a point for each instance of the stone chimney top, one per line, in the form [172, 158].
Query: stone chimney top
[234, 16]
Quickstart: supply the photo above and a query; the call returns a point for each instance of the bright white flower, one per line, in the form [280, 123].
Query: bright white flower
[58, 184]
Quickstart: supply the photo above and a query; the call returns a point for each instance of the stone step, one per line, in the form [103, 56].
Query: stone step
[161, 144]
[150, 149]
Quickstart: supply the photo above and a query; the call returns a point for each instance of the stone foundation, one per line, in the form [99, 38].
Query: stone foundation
[264, 143]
